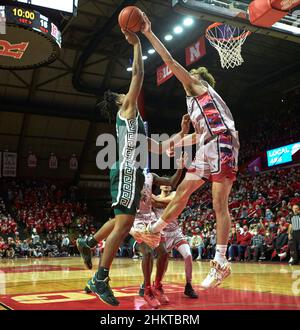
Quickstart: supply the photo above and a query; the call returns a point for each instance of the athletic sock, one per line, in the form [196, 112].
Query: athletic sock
[102, 273]
[158, 226]
[220, 255]
[157, 283]
[91, 242]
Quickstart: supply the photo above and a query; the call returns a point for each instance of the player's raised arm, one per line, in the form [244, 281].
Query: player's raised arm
[188, 140]
[173, 180]
[165, 181]
[162, 201]
[130, 102]
[179, 71]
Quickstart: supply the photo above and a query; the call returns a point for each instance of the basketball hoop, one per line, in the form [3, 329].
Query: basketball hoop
[228, 41]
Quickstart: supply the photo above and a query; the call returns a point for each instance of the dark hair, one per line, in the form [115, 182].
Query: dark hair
[108, 105]
[205, 75]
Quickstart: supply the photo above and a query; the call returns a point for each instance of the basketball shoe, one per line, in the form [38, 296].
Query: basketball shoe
[87, 288]
[216, 275]
[190, 292]
[159, 293]
[85, 252]
[142, 290]
[102, 289]
[150, 298]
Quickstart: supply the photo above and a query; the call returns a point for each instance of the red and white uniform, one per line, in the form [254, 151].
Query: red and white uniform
[145, 214]
[172, 233]
[217, 155]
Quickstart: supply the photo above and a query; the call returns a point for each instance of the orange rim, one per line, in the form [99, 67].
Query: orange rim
[214, 25]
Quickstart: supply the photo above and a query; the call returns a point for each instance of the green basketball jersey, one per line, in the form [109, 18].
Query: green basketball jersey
[131, 134]
[127, 177]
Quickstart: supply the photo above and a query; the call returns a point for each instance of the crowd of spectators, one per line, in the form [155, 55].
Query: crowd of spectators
[53, 245]
[47, 208]
[38, 219]
[260, 208]
[51, 218]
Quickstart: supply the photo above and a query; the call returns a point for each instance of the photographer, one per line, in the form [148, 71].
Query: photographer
[10, 253]
[65, 245]
[24, 249]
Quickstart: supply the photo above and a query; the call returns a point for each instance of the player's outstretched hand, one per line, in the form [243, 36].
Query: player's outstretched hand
[182, 161]
[171, 151]
[146, 27]
[131, 37]
[185, 124]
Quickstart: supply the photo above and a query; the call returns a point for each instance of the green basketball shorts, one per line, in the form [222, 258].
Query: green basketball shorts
[125, 188]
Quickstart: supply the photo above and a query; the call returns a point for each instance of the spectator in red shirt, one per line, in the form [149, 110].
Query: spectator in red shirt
[3, 247]
[295, 200]
[244, 240]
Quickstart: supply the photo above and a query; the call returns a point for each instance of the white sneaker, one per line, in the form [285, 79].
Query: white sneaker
[216, 275]
[198, 259]
[282, 255]
[291, 260]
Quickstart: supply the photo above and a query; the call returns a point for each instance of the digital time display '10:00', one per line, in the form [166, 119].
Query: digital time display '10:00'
[18, 12]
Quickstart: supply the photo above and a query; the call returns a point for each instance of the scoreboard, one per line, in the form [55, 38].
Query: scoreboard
[29, 40]
[30, 31]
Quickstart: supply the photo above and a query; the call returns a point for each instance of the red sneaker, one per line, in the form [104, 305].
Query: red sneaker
[160, 294]
[150, 298]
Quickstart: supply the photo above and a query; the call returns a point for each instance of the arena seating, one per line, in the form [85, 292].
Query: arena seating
[42, 216]
[54, 214]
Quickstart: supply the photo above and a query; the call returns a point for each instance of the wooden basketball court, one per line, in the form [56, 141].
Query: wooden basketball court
[27, 284]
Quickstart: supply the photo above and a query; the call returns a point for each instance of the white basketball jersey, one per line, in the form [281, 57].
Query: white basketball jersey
[146, 202]
[209, 113]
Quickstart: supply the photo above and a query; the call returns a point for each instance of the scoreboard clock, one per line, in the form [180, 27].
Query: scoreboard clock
[30, 39]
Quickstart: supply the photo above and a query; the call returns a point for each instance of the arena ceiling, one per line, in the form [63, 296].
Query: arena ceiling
[95, 56]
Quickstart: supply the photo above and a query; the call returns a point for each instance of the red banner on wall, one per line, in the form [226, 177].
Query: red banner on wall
[194, 52]
[163, 73]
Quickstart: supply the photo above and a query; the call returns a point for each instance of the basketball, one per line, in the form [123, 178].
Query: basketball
[131, 18]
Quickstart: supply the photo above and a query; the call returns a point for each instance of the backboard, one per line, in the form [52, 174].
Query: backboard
[236, 13]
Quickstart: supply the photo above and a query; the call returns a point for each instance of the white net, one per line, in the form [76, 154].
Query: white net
[228, 41]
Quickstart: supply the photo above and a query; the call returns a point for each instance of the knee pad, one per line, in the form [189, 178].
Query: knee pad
[184, 250]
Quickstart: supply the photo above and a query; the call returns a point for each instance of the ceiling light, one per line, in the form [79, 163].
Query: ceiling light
[145, 57]
[129, 69]
[151, 51]
[188, 21]
[178, 29]
[168, 37]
